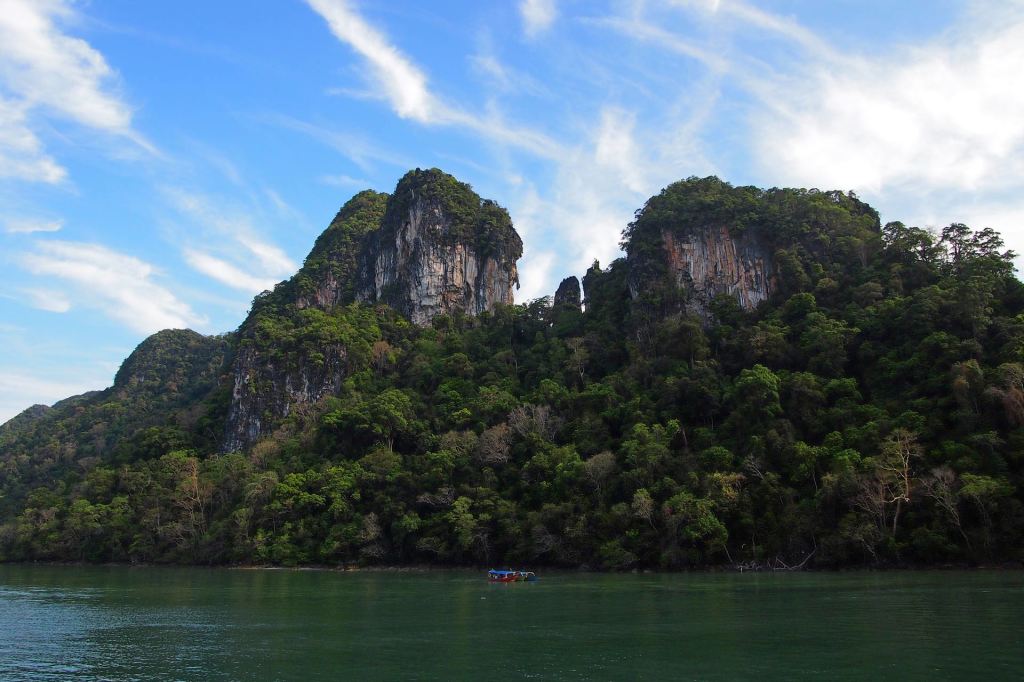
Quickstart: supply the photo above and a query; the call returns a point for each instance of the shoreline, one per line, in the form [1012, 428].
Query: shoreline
[431, 568]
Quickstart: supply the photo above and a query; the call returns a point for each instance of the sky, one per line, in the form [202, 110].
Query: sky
[163, 162]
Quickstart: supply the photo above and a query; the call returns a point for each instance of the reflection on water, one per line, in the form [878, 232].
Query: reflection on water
[111, 623]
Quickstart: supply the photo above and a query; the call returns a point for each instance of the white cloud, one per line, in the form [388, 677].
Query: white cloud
[617, 150]
[271, 258]
[930, 134]
[596, 187]
[226, 273]
[599, 184]
[537, 15]
[43, 69]
[644, 31]
[345, 181]
[361, 151]
[942, 116]
[784, 27]
[403, 83]
[50, 68]
[279, 203]
[121, 286]
[499, 76]
[23, 226]
[49, 300]
[21, 152]
[536, 276]
[233, 253]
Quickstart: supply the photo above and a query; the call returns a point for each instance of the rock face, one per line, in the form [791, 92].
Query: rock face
[431, 248]
[262, 388]
[708, 262]
[689, 266]
[568, 294]
[440, 249]
[698, 239]
[330, 274]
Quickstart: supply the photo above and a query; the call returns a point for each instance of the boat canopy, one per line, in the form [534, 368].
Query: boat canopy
[493, 572]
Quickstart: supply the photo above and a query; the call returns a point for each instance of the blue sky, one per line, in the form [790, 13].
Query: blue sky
[163, 162]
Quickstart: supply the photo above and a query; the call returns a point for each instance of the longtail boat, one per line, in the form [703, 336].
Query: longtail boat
[511, 576]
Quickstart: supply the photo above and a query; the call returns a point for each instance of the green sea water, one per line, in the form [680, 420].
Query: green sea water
[120, 623]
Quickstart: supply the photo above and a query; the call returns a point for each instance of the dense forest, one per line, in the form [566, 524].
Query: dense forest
[870, 411]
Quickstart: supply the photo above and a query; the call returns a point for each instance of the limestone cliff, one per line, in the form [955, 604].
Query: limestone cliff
[710, 261]
[266, 389]
[330, 274]
[683, 251]
[430, 248]
[440, 249]
[568, 294]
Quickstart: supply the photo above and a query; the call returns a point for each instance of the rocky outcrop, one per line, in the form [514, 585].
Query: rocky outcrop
[441, 249]
[708, 262]
[698, 239]
[568, 294]
[431, 248]
[685, 267]
[330, 274]
[266, 390]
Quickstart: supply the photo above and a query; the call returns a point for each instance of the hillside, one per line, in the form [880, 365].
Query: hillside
[767, 378]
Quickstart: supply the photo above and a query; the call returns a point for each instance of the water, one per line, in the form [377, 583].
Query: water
[114, 623]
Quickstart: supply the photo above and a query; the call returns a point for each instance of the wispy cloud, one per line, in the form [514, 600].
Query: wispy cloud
[233, 251]
[537, 16]
[616, 148]
[786, 28]
[536, 275]
[361, 151]
[27, 226]
[48, 300]
[45, 71]
[402, 82]
[121, 286]
[344, 181]
[640, 30]
[226, 273]
[21, 152]
[931, 132]
[580, 214]
[404, 85]
[271, 258]
[503, 78]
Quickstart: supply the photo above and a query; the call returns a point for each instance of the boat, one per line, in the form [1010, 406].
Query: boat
[511, 576]
[502, 576]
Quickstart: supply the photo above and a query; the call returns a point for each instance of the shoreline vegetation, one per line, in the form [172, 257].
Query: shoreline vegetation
[1009, 566]
[769, 379]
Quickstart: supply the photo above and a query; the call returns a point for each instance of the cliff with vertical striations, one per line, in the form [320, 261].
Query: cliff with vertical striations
[433, 247]
[710, 261]
[683, 251]
[440, 248]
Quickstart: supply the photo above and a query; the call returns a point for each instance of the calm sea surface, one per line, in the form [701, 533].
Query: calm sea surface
[109, 623]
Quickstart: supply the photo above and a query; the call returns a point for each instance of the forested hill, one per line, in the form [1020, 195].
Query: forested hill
[767, 378]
